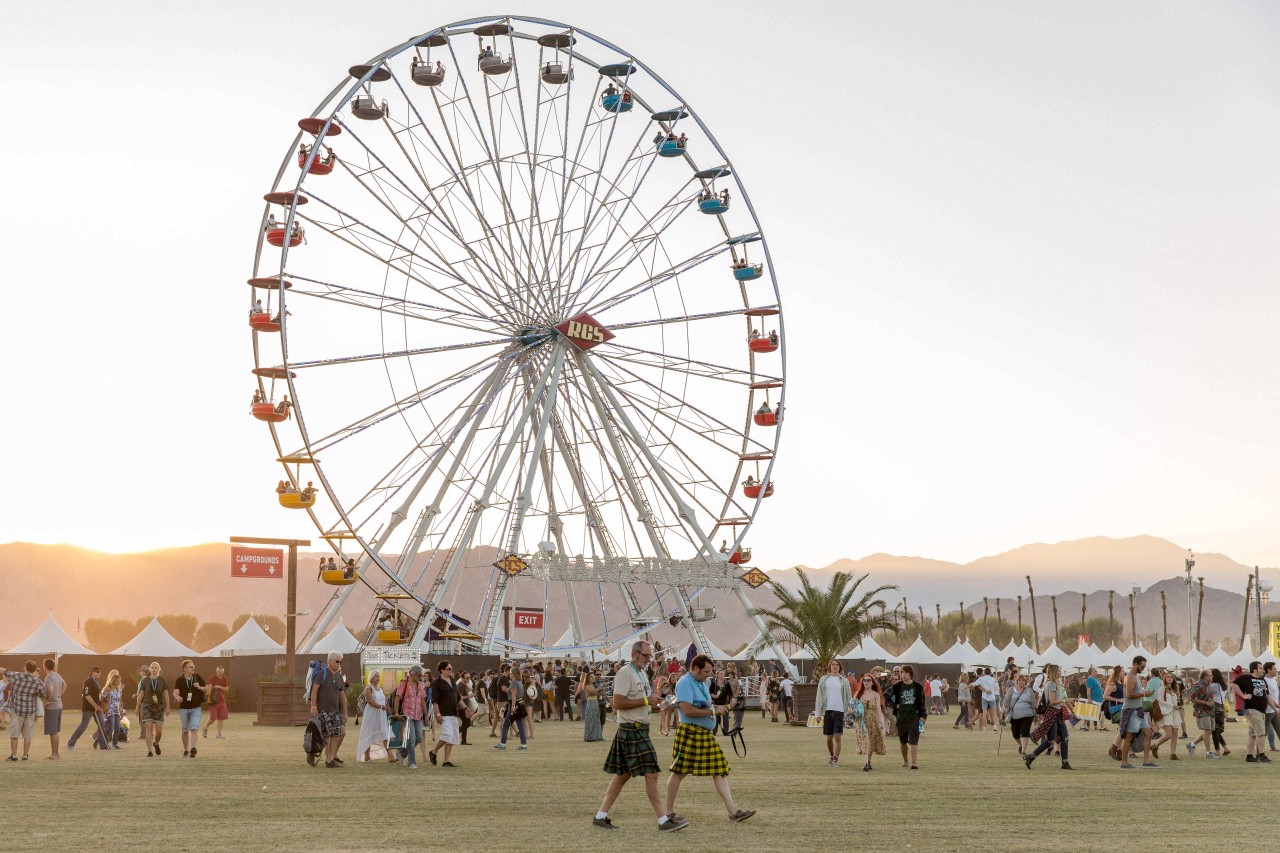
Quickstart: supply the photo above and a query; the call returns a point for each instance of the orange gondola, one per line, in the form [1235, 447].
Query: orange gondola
[269, 412]
[769, 344]
[275, 236]
[262, 322]
[753, 489]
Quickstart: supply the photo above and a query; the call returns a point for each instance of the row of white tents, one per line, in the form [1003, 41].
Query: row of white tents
[155, 642]
[966, 656]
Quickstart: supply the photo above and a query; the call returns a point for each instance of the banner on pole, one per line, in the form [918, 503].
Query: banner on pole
[256, 562]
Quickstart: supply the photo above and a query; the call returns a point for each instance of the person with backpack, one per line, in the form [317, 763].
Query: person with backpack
[411, 703]
[328, 697]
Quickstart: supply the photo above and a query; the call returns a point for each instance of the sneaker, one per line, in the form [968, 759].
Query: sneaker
[1191, 749]
[1249, 759]
[1126, 766]
[1027, 759]
[13, 758]
[523, 746]
[220, 736]
[678, 818]
[672, 826]
[740, 815]
[1263, 758]
[1150, 765]
[149, 755]
[157, 749]
[206, 734]
[1211, 755]
[193, 752]
[337, 760]
[1066, 766]
[499, 745]
[330, 765]
[432, 756]
[185, 753]
[413, 767]
[603, 823]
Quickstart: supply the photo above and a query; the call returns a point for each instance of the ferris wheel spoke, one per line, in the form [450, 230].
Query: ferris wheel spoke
[681, 318]
[393, 305]
[671, 273]
[684, 364]
[383, 356]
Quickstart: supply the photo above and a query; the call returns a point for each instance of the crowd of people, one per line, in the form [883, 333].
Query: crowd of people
[35, 694]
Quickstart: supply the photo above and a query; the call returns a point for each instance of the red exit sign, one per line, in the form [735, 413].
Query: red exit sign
[528, 619]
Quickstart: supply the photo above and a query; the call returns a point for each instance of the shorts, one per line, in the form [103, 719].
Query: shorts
[988, 704]
[23, 727]
[1257, 722]
[53, 721]
[1021, 727]
[909, 732]
[833, 723]
[152, 714]
[1204, 724]
[449, 731]
[218, 712]
[331, 724]
[189, 719]
[1132, 720]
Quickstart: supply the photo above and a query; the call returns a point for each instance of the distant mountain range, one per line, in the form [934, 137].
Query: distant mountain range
[76, 584]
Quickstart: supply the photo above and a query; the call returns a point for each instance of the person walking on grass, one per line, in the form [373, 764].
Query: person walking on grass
[1202, 707]
[90, 710]
[1165, 700]
[833, 698]
[695, 750]
[329, 706]
[632, 753]
[112, 699]
[411, 701]
[963, 697]
[1251, 690]
[152, 706]
[218, 684]
[1093, 687]
[190, 692]
[906, 700]
[1055, 725]
[26, 691]
[444, 696]
[375, 728]
[499, 697]
[1273, 715]
[54, 687]
[868, 732]
[988, 694]
[1020, 709]
[1133, 721]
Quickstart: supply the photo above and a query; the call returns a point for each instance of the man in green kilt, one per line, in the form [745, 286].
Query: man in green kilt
[696, 751]
[632, 753]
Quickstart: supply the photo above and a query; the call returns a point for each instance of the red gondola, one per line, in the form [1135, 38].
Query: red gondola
[740, 556]
[268, 412]
[769, 344]
[262, 322]
[319, 166]
[765, 418]
[275, 236]
[753, 490]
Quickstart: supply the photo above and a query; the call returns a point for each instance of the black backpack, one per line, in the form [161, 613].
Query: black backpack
[313, 741]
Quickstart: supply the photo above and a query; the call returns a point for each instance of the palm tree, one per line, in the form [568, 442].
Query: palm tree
[829, 621]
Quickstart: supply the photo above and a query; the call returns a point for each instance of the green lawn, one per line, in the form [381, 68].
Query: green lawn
[964, 792]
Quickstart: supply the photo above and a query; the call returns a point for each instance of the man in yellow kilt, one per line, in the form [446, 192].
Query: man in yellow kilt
[696, 751]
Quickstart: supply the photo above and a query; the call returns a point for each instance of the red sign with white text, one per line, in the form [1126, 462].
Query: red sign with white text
[256, 562]
[528, 619]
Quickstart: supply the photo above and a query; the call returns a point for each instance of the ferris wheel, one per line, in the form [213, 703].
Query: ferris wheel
[516, 329]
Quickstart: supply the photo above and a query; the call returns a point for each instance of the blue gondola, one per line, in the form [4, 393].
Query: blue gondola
[616, 103]
[670, 148]
[713, 206]
[748, 273]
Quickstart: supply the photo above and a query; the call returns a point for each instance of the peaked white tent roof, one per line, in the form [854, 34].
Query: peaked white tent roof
[1085, 656]
[155, 642]
[713, 651]
[1166, 658]
[959, 653]
[1195, 659]
[917, 652]
[250, 638]
[1010, 649]
[337, 640]
[1219, 659]
[1113, 656]
[49, 637]
[1053, 654]
[989, 655]
[869, 649]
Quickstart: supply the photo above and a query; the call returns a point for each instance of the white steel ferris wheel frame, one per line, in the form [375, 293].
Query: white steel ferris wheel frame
[533, 366]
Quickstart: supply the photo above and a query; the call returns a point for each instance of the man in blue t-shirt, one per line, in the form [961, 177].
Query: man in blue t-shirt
[695, 750]
[1094, 688]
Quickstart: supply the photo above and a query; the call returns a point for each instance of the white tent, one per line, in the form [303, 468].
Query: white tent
[1113, 656]
[989, 656]
[1166, 658]
[1194, 659]
[1010, 650]
[337, 640]
[1084, 657]
[250, 639]
[1053, 654]
[869, 649]
[713, 651]
[917, 652]
[154, 641]
[49, 638]
[1219, 659]
[960, 653]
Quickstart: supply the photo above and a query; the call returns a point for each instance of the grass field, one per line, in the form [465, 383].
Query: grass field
[962, 798]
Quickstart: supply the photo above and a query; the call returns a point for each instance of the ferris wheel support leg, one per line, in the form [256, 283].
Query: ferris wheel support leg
[473, 520]
[765, 634]
[575, 624]
[325, 619]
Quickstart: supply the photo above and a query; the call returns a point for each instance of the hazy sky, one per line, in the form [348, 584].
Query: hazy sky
[1027, 253]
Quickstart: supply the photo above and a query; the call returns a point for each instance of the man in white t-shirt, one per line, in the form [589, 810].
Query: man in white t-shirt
[787, 684]
[987, 684]
[1273, 718]
[935, 694]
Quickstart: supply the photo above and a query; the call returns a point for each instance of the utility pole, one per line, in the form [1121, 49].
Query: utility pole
[1111, 614]
[1200, 614]
[1133, 623]
[962, 633]
[1019, 619]
[986, 608]
[938, 608]
[1244, 626]
[1165, 608]
[1084, 600]
[1053, 599]
[999, 618]
[1259, 587]
[1190, 563]
[1035, 620]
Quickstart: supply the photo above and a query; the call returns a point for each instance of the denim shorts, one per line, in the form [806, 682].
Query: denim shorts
[189, 719]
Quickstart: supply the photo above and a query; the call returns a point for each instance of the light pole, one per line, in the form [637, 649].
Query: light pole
[1190, 563]
[1260, 586]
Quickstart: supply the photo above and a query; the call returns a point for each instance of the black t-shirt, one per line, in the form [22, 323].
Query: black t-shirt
[91, 690]
[907, 700]
[330, 692]
[189, 693]
[445, 697]
[1256, 690]
[500, 692]
[563, 684]
[152, 691]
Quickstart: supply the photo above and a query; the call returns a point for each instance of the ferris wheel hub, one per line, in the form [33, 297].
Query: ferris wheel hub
[584, 331]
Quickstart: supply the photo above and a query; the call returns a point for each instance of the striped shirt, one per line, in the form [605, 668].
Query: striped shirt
[25, 690]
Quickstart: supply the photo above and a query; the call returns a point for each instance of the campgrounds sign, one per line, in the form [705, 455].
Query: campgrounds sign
[256, 562]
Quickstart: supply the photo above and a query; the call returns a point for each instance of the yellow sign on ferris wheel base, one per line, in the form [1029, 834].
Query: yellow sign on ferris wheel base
[1274, 644]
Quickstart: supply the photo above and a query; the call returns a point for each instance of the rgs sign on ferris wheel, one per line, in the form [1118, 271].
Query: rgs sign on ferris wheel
[584, 331]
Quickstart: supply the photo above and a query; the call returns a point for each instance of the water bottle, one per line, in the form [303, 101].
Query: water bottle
[921, 724]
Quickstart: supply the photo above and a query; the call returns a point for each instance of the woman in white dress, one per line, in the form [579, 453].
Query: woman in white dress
[374, 729]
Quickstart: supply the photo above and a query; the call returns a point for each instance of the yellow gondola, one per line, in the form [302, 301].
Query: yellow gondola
[295, 500]
[339, 577]
[390, 638]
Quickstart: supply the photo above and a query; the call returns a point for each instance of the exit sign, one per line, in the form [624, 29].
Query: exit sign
[528, 619]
